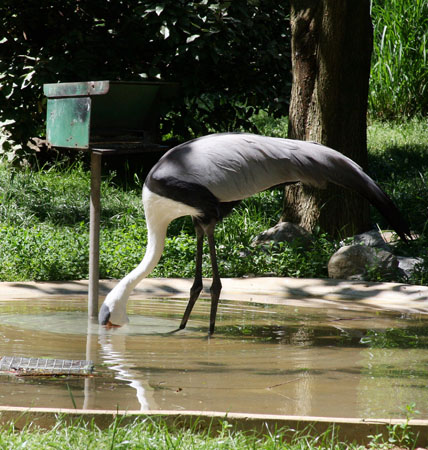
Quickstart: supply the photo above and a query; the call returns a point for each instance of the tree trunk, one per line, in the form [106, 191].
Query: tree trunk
[331, 50]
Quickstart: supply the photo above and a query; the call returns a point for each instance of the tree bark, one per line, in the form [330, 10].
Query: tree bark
[331, 47]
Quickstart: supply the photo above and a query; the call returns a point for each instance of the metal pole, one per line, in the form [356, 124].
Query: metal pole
[89, 388]
[94, 235]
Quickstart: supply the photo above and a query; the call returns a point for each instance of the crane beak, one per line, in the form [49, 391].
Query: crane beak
[110, 325]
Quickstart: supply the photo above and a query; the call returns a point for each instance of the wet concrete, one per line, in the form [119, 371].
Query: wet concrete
[264, 359]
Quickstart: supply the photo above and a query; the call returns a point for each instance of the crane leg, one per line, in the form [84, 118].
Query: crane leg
[216, 284]
[196, 288]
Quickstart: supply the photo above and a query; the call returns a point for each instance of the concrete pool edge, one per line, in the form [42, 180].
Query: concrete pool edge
[297, 292]
[346, 429]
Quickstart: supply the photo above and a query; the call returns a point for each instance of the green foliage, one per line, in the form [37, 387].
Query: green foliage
[400, 435]
[8, 148]
[44, 225]
[44, 220]
[146, 433]
[399, 74]
[231, 58]
[398, 160]
[269, 125]
[45, 236]
[43, 252]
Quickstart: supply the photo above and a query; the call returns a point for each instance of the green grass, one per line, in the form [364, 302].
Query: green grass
[44, 224]
[44, 233]
[398, 158]
[146, 434]
[44, 219]
[399, 72]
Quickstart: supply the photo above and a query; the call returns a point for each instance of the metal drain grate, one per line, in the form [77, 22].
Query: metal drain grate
[41, 366]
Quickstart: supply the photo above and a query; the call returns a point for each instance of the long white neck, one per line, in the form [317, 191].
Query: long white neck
[155, 245]
[159, 212]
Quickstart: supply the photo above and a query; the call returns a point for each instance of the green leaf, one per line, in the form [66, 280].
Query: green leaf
[159, 9]
[27, 79]
[192, 38]
[164, 31]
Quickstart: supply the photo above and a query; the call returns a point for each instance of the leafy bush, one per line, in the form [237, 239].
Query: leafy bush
[231, 58]
[8, 147]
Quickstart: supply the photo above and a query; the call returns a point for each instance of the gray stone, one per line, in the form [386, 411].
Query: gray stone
[284, 232]
[353, 261]
[407, 265]
[371, 238]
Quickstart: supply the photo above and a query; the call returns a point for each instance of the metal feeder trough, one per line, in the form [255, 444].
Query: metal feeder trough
[44, 367]
[105, 117]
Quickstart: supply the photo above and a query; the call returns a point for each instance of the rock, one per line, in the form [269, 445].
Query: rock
[284, 232]
[371, 238]
[407, 264]
[353, 261]
[386, 264]
[350, 261]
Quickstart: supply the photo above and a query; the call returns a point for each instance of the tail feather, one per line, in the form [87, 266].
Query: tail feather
[353, 177]
[378, 198]
[322, 164]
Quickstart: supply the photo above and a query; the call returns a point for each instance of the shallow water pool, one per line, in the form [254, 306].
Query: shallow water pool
[263, 359]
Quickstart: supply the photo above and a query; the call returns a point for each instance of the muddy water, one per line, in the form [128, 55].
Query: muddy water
[263, 359]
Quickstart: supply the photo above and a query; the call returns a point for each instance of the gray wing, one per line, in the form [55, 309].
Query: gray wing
[236, 166]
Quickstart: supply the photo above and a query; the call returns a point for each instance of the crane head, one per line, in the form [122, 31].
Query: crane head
[111, 315]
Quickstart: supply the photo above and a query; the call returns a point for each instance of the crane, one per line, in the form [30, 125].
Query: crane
[208, 176]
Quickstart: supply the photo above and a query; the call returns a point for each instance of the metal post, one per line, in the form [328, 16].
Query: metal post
[89, 388]
[94, 235]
